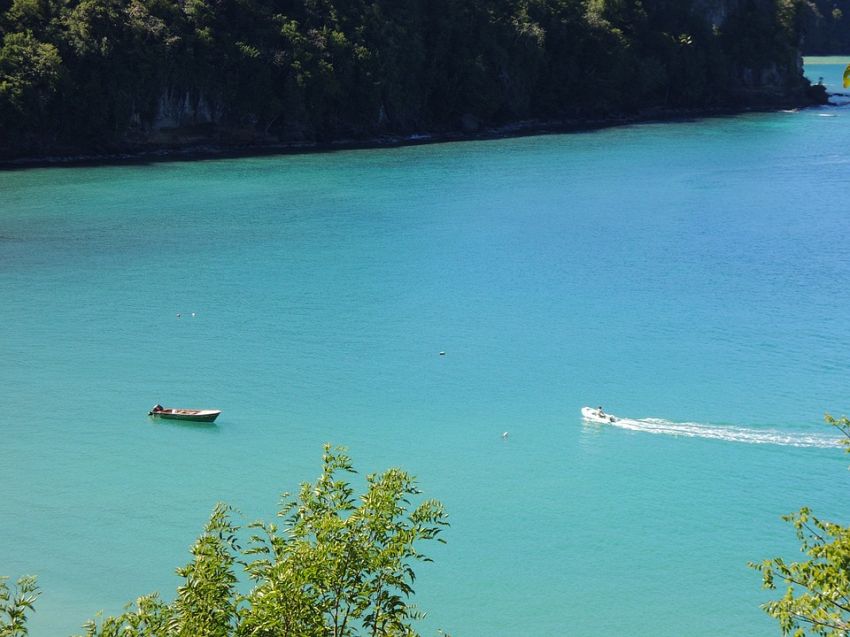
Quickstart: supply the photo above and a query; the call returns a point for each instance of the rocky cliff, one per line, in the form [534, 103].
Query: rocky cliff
[124, 75]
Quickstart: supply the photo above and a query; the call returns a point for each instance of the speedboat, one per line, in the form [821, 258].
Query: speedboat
[195, 415]
[595, 414]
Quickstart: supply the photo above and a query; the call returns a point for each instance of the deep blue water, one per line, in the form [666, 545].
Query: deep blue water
[691, 277]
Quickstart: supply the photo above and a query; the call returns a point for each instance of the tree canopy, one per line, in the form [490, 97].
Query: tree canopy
[16, 603]
[336, 566]
[827, 28]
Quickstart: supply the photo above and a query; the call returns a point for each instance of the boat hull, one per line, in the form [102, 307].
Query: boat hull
[192, 415]
[594, 415]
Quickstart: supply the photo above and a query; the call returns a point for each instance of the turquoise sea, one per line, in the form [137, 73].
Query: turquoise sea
[691, 277]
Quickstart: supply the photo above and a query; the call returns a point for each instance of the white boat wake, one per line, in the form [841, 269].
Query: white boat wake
[730, 433]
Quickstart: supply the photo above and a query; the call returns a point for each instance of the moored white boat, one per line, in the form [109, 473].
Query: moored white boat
[595, 414]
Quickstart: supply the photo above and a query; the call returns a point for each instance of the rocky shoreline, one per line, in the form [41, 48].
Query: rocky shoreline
[211, 149]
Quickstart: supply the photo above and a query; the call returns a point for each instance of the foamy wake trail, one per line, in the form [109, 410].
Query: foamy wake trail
[729, 433]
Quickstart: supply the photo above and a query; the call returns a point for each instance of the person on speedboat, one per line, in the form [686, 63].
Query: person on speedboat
[604, 416]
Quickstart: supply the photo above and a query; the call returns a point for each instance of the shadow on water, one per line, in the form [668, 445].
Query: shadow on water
[136, 156]
[207, 427]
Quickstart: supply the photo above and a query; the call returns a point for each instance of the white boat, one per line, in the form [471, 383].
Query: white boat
[595, 414]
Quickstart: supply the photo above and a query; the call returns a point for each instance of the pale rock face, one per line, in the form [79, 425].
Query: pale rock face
[772, 77]
[178, 110]
[715, 11]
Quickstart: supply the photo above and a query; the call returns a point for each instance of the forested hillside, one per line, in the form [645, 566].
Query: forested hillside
[106, 75]
[828, 28]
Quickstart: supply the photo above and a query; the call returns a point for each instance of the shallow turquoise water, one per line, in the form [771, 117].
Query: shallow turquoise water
[694, 274]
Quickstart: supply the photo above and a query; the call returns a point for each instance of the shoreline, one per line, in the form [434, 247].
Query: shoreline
[137, 155]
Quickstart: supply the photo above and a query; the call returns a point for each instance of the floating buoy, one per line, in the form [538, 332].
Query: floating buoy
[178, 314]
[442, 353]
[504, 434]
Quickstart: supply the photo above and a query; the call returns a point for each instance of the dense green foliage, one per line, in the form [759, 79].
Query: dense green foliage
[817, 593]
[96, 74]
[338, 567]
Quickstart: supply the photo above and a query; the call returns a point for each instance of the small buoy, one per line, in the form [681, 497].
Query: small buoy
[193, 314]
[442, 353]
[504, 434]
[178, 314]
